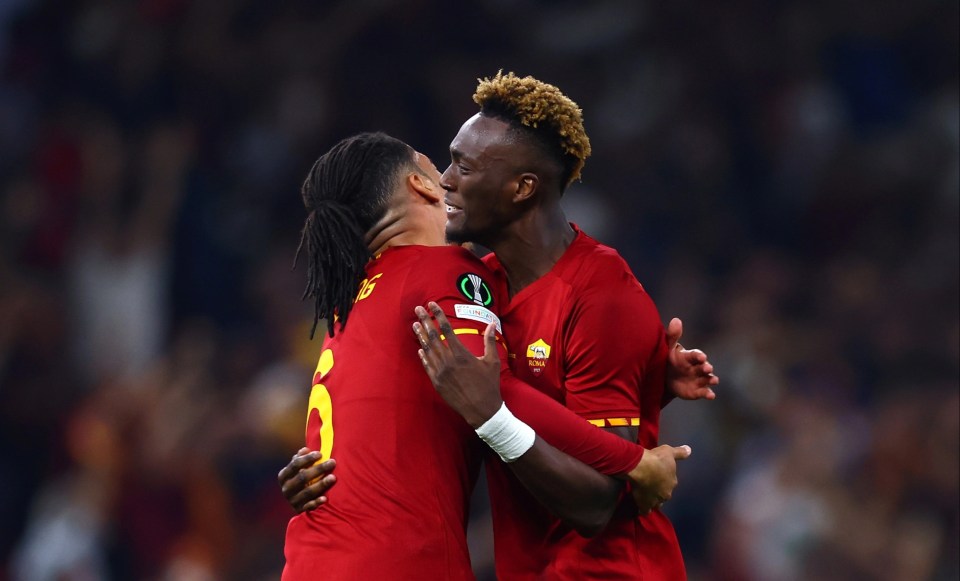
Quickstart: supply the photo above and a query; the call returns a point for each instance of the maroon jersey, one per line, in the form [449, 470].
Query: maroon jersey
[407, 462]
[589, 336]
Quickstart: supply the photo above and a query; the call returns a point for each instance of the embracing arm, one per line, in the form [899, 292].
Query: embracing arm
[582, 497]
[575, 492]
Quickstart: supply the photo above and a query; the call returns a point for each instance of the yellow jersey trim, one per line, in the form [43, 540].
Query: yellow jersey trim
[615, 422]
[467, 331]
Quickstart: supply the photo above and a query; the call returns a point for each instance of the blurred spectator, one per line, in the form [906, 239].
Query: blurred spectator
[120, 254]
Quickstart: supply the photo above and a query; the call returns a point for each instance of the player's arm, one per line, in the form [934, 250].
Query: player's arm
[689, 372]
[575, 492]
[614, 371]
[653, 477]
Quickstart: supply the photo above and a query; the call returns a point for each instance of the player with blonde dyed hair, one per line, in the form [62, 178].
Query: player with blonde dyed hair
[589, 336]
[540, 107]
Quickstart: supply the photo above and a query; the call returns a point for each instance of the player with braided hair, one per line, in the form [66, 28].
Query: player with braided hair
[346, 193]
[375, 249]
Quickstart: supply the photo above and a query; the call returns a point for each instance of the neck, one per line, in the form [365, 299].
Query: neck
[530, 246]
[400, 227]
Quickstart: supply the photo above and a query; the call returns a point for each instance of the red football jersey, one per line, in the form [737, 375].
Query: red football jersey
[407, 462]
[588, 335]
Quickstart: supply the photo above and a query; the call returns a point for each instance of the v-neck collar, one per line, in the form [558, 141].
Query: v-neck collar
[544, 281]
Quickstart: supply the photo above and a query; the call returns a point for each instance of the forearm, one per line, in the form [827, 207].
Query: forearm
[574, 492]
[556, 471]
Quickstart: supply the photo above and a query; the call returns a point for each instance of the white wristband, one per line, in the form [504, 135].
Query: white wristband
[506, 435]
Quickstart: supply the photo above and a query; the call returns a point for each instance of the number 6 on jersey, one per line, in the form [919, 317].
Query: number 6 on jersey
[319, 430]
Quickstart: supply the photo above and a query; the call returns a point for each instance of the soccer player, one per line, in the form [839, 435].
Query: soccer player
[581, 328]
[375, 247]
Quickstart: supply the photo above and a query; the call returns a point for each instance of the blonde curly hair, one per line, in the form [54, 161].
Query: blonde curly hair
[533, 103]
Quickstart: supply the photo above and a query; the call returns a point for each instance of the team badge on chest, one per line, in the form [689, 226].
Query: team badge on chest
[538, 353]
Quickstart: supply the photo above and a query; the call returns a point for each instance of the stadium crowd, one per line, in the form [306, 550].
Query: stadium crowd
[783, 176]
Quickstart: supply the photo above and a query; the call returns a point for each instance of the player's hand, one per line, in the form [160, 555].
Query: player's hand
[689, 373]
[470, 385]
[304, 481]
[655, 477]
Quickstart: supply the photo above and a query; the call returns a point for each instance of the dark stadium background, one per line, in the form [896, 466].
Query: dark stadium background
[782, 175]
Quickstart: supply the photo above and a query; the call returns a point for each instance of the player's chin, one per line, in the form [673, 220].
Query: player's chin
[455, 232]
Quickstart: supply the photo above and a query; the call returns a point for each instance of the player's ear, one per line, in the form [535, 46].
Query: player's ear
[526, 187]
[424, 187]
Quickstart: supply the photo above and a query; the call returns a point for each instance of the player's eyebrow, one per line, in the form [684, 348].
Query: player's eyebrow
[457, 154]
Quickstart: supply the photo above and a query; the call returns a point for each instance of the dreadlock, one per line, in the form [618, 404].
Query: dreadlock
[345, 194]
[540, 111]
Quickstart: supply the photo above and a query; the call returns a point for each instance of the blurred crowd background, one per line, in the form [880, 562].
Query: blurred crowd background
[782, 175]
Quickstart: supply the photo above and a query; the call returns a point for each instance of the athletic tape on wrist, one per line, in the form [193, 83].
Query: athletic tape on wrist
[509, 437]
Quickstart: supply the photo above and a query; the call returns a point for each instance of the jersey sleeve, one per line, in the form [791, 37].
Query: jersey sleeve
[463, 287]
[566, 431]
[470, 296]
[611, 339]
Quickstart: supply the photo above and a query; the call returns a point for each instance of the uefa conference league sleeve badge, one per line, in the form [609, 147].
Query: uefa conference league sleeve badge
[475, 289]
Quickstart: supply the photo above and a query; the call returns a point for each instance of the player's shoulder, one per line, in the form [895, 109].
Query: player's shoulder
[459, 258]
[434, 271]
[605, 293]
[434, 258]
[595, 265]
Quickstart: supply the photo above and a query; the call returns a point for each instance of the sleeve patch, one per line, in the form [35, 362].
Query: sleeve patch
[477, 313]
[474, 288]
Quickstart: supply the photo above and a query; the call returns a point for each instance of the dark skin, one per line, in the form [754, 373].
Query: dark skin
[495, 183]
